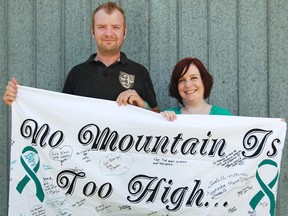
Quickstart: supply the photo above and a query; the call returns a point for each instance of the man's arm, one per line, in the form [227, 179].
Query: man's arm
[130, 96]
[11, 91]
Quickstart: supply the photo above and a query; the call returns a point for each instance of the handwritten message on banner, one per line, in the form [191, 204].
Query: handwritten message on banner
[81, 156]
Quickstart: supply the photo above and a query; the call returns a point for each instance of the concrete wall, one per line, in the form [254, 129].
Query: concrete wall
[242, 43]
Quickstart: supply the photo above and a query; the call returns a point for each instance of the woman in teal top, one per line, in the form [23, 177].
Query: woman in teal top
[215, 110]
[191, 84]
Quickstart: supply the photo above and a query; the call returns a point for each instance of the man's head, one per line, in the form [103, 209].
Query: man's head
[109, 7]
[109, 27]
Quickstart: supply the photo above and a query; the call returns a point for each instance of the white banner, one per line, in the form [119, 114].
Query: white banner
[79, 156]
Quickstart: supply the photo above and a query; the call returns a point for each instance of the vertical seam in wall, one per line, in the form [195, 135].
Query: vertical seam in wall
[208, 36]
[7, 108]
[268, 59]
[149, 35]
[208, 33]
[6, 41]
[35, 42]
[178, 28]
[91, 9]
[62, 32]
[7, 44]
[238, 57]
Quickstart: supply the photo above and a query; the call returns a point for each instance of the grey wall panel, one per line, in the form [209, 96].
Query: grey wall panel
[253, 71]
[136, 44]
[278, 84]
[223, 53]
[278, 59]
[96, 3]
[76, 34]
[21, 41]
[48, 44]
[4, 123]
[193, 30]
[163, 46]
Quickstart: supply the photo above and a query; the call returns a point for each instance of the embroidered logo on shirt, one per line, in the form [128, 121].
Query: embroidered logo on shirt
[126, 80]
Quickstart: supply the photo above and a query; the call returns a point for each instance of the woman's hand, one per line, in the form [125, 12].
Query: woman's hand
[169, 115]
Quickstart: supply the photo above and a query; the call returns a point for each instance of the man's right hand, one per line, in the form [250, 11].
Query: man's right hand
[11, 91]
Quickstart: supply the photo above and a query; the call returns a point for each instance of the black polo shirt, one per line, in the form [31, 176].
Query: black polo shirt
[93, 79]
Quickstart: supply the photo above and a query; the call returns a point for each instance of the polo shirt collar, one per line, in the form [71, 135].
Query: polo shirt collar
[123, 58]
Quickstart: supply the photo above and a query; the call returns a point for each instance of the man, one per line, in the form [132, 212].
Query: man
[107, 74]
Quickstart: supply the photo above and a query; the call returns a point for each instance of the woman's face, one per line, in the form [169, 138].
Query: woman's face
[190, 86]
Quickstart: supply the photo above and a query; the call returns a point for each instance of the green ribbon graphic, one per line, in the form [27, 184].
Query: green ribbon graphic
[257, 198]
[39, 191]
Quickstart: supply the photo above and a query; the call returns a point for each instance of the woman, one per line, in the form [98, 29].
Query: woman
[191, 84]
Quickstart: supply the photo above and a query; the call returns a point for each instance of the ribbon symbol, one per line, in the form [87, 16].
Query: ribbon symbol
[39, 191]
[257, 198]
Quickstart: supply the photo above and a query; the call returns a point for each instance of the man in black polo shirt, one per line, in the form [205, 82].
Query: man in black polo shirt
[107, 74]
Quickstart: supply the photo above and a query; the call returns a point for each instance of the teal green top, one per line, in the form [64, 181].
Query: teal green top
[215, 110]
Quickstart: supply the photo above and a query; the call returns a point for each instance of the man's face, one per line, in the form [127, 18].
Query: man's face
[109, 31]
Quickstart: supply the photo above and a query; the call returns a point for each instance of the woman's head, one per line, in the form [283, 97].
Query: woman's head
[179, 71]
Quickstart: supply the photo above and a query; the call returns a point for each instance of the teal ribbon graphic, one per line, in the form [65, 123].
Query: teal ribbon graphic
[21, 185]
[257, 198]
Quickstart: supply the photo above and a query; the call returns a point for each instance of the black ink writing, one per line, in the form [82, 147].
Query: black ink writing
[90, 188]
[39, 135]
[142, 186]
[255, 140]
[110, 140]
